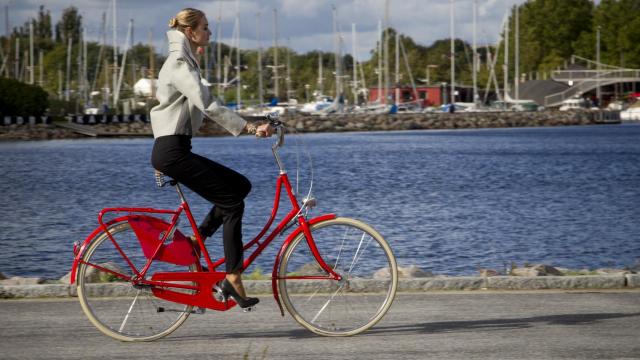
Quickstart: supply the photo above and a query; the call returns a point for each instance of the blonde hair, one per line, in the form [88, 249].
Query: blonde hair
[188, 17]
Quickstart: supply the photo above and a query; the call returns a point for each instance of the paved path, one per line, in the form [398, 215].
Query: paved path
[432, 325]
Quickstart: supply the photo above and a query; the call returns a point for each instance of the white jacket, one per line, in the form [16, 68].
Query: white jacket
[183, 98]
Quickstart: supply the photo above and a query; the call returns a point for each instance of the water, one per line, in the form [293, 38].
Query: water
[448, 201]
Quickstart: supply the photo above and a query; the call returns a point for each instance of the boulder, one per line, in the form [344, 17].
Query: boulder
[310, 269]
[525, 271]
[413, 271]
[488, 272]
[606, 271]
[408, 272]
[536, 270]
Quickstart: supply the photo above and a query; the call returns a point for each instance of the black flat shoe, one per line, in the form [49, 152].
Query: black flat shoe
[227, 291]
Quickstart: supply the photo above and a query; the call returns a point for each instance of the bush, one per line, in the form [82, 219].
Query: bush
[20, 99]
[58, 107]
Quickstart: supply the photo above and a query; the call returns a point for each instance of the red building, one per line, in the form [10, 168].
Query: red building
[426, 95]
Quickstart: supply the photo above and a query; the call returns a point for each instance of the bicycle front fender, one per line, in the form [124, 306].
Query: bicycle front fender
[79, 252]
[275, 274]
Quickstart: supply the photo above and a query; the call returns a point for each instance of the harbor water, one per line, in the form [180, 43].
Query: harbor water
[450, 201]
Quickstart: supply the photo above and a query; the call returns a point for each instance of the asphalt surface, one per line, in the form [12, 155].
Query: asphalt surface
[431, 325]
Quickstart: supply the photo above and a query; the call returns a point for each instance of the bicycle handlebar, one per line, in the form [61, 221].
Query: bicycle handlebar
[273, 121]
[279, 126]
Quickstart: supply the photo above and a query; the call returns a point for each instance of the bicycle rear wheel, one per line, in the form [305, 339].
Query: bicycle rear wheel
[109, 299]
[352, 305]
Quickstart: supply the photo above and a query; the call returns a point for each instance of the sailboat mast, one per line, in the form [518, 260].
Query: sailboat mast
[386, 50]
[85, 62]
[79, 83]
[475, 54]
[260, 85]
[219, 51]
[516, 77]
[115, 55]
[320, 76]
[397, 63]
[276, 78]
[355, 63]
[337, 50]
[239, 82]
[380, 37]
[116, 95]
[31, 68]
[506, 58]
[452, 55]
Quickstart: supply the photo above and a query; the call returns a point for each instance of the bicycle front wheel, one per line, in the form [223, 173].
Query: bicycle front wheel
[352, 305]
[109, 299]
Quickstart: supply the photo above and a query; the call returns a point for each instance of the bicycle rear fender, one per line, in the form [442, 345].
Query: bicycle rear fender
[275, 275]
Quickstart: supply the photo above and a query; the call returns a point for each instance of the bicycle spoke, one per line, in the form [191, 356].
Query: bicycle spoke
[312, 295]
[326, 304]
[357, 255]
[124, 322]
[344, 238]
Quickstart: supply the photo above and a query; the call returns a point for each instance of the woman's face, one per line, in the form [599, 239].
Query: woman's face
[200, 34]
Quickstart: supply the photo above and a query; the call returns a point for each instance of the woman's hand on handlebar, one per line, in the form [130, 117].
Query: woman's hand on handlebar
[265, 130]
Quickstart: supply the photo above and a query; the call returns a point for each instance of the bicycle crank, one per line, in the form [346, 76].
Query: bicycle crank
[197, 310]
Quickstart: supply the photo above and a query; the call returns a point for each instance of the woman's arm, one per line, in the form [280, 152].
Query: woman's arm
[187, 81]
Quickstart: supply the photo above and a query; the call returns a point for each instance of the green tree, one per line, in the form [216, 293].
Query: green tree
[548, 32]
[43, 25]
[70, 26]
[619, 32]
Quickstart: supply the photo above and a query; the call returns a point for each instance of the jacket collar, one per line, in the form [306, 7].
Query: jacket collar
[179, 43]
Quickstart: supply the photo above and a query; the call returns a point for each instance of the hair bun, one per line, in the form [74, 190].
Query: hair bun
[173, 22]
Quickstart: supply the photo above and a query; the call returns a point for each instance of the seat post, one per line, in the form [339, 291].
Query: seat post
[179, 190]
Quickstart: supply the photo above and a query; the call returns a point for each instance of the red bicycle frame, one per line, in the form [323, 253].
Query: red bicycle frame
[161, 283]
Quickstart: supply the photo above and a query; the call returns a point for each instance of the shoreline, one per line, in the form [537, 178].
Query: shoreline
[411, 279]
[430, 284]
[331, 123]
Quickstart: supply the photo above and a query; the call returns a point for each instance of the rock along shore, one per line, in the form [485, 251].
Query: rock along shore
[337, 123]
[593, 282]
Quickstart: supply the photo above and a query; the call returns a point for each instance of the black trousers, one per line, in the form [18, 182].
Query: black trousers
[223, 187]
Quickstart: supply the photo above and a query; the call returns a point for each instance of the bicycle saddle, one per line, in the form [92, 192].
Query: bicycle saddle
[162, 181]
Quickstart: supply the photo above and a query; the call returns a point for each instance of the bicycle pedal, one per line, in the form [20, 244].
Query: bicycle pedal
[218, 295]
[248, 309]
[199, 311]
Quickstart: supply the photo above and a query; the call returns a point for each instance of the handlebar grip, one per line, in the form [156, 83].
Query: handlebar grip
[273, 119]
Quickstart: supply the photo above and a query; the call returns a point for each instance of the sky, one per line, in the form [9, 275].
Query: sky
[303, 25]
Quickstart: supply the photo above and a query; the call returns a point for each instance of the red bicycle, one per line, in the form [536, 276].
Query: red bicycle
[336, 276]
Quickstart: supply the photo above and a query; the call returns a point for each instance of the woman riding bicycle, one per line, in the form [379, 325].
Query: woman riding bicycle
[183, 102]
